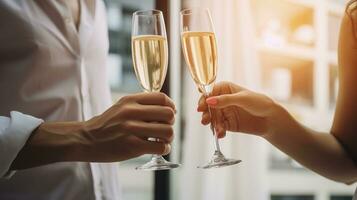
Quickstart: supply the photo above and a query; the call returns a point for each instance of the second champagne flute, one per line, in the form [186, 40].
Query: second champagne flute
[150, 58]
[200, 52]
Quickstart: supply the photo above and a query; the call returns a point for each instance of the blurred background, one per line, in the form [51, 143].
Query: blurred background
[283, 48]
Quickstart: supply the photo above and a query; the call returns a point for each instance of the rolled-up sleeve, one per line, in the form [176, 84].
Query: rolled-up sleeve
[14, 132]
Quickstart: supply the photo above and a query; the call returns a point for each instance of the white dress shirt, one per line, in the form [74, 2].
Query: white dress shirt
[52, 71]
[14, 132]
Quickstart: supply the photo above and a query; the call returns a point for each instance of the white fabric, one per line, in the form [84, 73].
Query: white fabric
[51, 71]
[14, 132]
[355, 197]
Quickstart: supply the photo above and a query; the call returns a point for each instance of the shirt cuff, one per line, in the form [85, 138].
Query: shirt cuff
[13, 137]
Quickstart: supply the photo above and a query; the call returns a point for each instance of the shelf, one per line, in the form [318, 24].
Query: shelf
[282, 18]
[287, 78]
[312, 118]
[291, 51]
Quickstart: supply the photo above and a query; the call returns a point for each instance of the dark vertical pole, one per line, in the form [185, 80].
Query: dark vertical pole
[162, 178]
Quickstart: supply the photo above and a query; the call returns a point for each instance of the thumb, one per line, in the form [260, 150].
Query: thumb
[254, 103]
[226, 100]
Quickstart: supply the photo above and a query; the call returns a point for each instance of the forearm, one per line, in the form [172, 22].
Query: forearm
[320, 152]
[50, 143]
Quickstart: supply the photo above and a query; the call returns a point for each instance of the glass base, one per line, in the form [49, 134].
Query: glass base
[218, 161]
[157, 163]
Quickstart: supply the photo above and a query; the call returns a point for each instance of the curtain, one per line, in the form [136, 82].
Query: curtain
[237, 62]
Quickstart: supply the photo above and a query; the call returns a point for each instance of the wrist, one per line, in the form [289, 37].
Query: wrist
[49, 143]
[279, 122]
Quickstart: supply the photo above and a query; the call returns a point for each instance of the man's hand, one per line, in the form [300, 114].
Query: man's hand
[120, 133]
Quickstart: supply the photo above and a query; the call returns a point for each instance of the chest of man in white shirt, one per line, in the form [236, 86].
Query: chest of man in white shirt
[52, 69]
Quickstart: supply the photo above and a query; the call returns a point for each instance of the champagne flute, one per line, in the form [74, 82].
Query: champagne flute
[200, 52]
[150, 58]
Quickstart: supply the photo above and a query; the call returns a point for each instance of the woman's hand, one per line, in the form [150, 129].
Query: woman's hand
[120, 133]
[239, 110]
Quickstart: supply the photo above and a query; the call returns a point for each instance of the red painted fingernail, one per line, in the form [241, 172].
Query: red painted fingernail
[212, 101]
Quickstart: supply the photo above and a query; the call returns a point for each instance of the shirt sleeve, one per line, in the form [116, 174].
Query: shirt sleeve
[14, 132]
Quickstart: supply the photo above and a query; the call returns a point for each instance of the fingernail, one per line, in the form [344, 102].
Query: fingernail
[212, 101]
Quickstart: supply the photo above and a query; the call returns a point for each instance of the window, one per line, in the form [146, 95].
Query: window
[291, 197]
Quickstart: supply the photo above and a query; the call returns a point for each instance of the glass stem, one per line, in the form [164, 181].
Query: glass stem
[216, 141]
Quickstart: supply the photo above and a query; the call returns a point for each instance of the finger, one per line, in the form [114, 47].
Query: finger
[254, 103]
[226, 100]
[145, 130]
[220, 131]
[151, 113]
[221, 134]
[155, 98]
[223, 130]
[202, 105]
[159, 148]
[217, 117]
[206, 118]
[218, 121]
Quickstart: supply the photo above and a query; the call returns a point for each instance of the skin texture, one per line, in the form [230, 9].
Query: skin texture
[334, 154]
[120, 133]
[345, 121]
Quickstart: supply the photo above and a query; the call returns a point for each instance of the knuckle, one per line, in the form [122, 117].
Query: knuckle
[128, 109]
[166, 133]
[170, 134]
[129, 125]
[126, 98]
[170, 114]
[162, 98]
[123, 112]
[270, 102]
[172, 121]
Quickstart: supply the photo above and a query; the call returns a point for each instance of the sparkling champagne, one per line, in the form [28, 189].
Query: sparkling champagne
[150, 58]
[200, 51]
